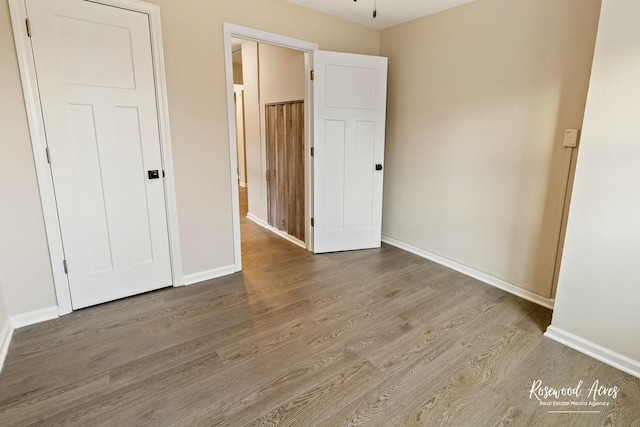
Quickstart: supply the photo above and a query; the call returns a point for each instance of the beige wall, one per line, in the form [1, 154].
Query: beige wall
[237, 74]
[282, 75]
[252, 127]
[598, 290]
[4, 322]
[479, 97]
[5, 329]
[4, 315]
[193, 47]
[25, 271]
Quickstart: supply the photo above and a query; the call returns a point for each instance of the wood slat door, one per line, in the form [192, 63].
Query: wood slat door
[285, 167]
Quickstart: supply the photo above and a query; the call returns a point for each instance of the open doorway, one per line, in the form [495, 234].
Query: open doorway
[270, 93]
[270, 135]
[343, 184]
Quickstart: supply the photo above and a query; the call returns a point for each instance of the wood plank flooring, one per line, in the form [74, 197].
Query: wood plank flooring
[368, 338]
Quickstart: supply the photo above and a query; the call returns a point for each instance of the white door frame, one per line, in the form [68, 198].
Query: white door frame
[39, 144]
[232, 30]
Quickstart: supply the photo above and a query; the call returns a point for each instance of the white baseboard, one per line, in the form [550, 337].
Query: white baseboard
[33, 317]
[5, 339]
[483, 277]
[594, 350]
[280, 233]
[191, 279]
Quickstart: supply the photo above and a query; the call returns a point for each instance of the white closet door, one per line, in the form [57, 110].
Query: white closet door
[95, 76]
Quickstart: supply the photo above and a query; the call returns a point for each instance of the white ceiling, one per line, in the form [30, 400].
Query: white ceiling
[390, 12]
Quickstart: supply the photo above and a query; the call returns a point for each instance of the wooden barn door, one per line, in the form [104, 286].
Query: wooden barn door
[285, 167]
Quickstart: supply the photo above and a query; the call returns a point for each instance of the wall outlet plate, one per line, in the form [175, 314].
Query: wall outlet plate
[571, 138]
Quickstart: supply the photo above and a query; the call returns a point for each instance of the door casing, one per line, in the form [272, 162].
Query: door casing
[38, 141]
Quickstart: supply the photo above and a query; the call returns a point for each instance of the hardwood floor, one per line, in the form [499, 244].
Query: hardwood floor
[369, 338]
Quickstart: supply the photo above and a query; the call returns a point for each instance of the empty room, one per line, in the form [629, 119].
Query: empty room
[319, 213]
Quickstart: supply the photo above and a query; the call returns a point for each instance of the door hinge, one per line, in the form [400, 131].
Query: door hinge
[28, 23]
[48, 155]
[64, 264]
[313, 74]
[312, 222]
[311, 151]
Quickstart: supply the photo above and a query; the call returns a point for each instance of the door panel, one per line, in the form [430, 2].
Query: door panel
[96, 46]
[350, 87]
[349, 130]
[97, 91]
[334, 178]
[364, 175]
[132, 167]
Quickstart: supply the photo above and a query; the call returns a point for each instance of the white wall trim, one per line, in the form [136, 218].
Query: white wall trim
[5, 339]
[594, 350]
[233, 30]
[33, 317]
[309, 172]
[273, 229]
[38, 142]
[259, 36]
[233, 154]
[165, 132]
[191, 279]
[483, 277]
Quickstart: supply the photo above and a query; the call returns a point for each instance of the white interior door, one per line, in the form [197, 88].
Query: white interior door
[350, 94]
[96, 82]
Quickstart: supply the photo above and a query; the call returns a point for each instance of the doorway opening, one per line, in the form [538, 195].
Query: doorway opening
[343, 185]
[269, 83]
[267, 154]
